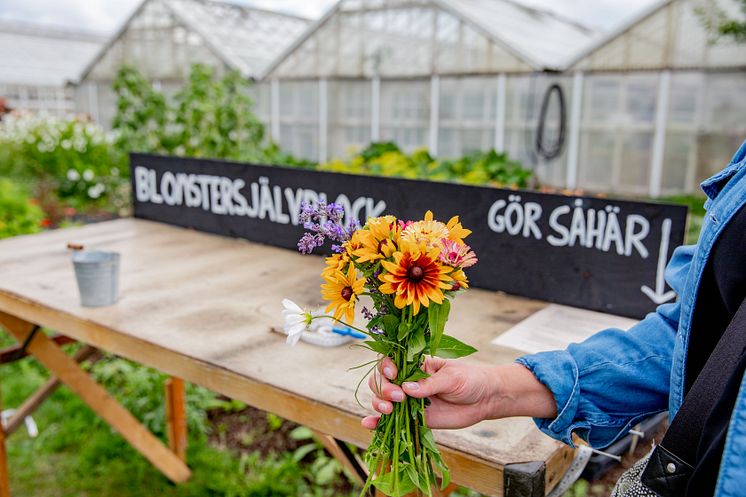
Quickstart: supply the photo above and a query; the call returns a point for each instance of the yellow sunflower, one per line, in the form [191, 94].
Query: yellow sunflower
[342, 290]
[379, 241]
[415, 277]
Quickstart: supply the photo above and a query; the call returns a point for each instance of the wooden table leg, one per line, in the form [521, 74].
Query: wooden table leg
[4, 477]
[34, 400]
[71, 374]
[176, 423]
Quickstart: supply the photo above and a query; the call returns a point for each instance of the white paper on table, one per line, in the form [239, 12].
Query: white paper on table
[557, 326]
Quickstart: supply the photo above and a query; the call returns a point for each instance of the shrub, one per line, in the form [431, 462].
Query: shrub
[68, 162]
[207, 117]
[19, 215]
[479, 168]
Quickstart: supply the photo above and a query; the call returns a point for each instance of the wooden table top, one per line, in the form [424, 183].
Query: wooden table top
[201, 307]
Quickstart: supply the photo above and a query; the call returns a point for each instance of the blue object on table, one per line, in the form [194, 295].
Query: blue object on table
[344, 330]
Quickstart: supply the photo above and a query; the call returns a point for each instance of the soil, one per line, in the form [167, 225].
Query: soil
[253, 430]
[249, 430]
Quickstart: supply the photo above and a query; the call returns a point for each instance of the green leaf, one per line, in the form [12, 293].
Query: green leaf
[378, 346]
[385, 483]
[416, 344]
[303, 451]
[413, 476]
[428, 441]
[445, 473]
[301, 433]
[417, 375]
[451, 348]
[437, 315]
[327, 472]
[390, 324]
[403, 331]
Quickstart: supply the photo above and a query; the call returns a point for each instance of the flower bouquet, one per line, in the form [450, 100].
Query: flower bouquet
[410, 271]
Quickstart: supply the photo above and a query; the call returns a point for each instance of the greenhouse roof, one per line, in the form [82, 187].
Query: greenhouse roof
[420, 37]
[38, 55]
[247, 39]
[669, 34]
[541, 38]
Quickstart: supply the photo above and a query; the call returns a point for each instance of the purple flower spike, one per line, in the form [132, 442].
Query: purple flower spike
[307, 243]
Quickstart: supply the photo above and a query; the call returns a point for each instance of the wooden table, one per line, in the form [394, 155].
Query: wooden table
[200, 308]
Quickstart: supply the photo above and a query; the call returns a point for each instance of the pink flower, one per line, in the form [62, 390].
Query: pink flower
[456, 254]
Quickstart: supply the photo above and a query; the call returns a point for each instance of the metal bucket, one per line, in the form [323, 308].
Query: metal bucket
[98, 277]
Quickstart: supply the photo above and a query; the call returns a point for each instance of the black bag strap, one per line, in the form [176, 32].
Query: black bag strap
[670, 466]
[689, 421]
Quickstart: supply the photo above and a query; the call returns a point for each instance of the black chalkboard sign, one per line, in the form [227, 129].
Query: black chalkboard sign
[599, 254]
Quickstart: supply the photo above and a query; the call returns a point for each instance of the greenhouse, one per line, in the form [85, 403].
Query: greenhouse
[650, 109]
[38, 62]
[164, 38]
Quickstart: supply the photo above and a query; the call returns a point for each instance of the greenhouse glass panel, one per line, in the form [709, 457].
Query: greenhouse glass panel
[685, 115]
[405, 113]
[299, 118]
[724, 122]
[524, 98]
[349, 117]
[621, 108]
[466, 115]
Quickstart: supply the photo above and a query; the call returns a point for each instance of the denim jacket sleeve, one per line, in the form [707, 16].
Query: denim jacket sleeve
[610, 382]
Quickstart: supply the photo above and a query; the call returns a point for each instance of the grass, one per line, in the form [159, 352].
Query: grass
[77, 454]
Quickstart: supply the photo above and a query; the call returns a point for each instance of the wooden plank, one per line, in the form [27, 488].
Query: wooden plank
[16, 352]
[176, 422]
[70, 373]
[200, 307]
[35, 400]
[4, 476]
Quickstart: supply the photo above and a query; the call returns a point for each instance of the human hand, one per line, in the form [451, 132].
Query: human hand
[462, 394]
[458, 392]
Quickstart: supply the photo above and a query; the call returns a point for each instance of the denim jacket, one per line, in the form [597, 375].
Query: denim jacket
[615, 379]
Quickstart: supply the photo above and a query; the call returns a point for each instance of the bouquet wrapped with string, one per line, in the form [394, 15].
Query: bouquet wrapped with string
[409, 271]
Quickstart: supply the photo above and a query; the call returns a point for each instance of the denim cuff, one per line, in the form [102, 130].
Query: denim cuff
[558, 371]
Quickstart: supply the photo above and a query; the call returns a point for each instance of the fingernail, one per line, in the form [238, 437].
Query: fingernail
[411, 385]
[383, 407]
[388, 372]
[397, 395]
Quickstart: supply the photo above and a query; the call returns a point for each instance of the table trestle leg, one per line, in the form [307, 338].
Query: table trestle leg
[176, 422]
[71, 374]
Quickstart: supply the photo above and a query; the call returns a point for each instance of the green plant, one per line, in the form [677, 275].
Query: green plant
[19, 215]
[719, 25]
[479, 168]
[323, 469]
[208, 117]
[67, 162]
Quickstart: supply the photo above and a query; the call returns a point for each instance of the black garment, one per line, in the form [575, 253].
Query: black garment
[721, 291]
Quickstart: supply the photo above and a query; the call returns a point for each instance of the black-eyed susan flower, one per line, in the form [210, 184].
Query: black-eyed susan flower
[416, 277]
[342, 290]
[378, 239]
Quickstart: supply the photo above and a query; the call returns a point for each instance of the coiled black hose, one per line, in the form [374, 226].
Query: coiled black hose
[552, 150]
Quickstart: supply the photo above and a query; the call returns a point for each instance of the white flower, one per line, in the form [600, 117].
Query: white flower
[297, 320]
[73, 175]
[88, 175]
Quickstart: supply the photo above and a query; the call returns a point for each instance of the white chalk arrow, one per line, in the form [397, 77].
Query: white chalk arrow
[660, 296]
